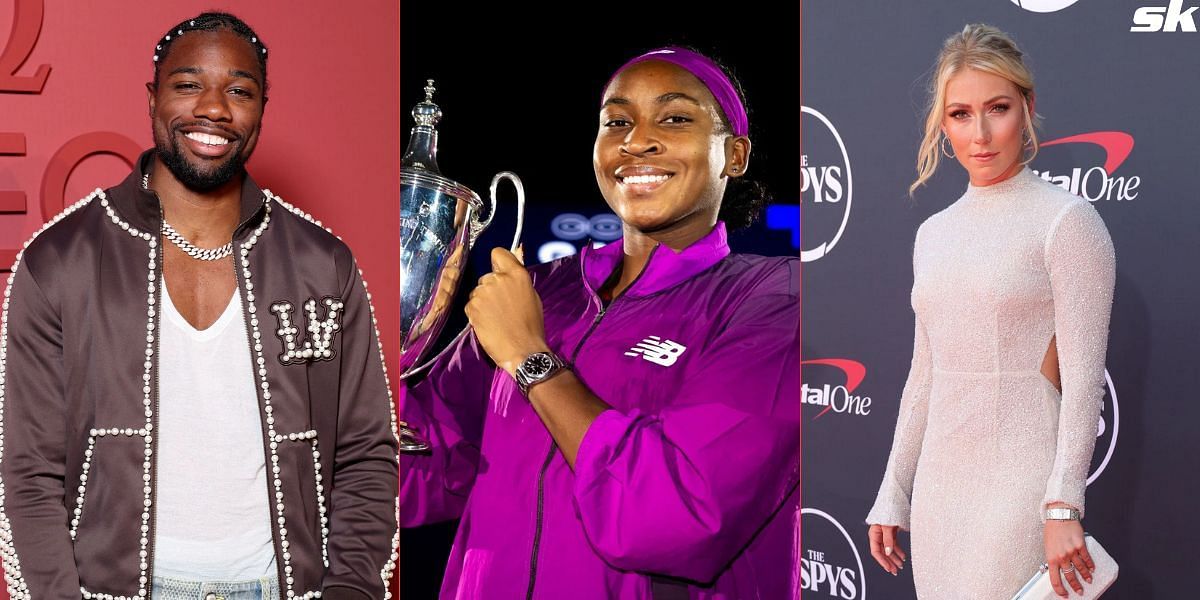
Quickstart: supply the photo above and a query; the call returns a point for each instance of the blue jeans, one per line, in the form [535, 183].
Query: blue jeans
[263, 588]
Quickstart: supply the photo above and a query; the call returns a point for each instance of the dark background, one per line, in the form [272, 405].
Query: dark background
[865, 69]
[520, 91]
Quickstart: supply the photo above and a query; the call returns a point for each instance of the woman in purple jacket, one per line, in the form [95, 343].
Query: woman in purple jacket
[624, 423]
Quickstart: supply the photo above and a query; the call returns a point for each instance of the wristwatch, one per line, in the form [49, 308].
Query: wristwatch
[536, 368]
[1062, 514]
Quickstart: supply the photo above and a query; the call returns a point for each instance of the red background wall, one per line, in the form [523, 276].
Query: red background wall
[330, 141]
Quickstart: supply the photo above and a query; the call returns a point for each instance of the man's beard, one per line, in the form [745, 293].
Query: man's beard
[171, 155]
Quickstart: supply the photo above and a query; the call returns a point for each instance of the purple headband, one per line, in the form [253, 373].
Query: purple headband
[708, 73]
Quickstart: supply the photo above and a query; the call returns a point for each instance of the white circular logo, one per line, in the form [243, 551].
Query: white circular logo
[604, 227]
[570, 226]
[1044, 6]
[554, 250]
[1110, 425]
[826, 189]
[824, 568]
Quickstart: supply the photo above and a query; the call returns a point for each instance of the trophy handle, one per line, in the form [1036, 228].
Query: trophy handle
[516, 181]
[477, 227]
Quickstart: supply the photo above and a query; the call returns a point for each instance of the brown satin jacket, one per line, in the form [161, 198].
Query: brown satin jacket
[79, 400]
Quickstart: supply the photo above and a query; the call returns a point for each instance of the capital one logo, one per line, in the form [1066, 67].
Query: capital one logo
[1167, 19]
[826, 186]
[1097, 182]
[830, 565]
[1044, 6]
[1106, 430]
[834, 394]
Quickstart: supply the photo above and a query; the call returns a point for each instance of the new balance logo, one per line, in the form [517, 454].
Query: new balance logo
[657, 350]
[1164, 18]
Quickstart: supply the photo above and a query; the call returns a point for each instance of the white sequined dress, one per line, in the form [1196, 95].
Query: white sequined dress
[983, 441]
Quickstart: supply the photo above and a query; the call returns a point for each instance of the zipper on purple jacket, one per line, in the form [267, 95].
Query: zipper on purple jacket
[541, 487]
[537, 531]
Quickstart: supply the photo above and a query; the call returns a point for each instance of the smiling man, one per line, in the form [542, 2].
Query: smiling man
[193, 400]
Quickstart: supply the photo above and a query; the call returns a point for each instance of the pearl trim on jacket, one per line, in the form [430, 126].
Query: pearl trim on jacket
[17, 589]
[10, 561]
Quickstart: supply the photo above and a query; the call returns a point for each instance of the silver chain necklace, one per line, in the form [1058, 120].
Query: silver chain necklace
[182, 243]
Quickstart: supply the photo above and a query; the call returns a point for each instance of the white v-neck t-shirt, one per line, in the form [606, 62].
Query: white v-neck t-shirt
[213, 521]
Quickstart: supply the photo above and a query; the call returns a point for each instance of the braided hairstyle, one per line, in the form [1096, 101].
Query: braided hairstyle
[213, 21]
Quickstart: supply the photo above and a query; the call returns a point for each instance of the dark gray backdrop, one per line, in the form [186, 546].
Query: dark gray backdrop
[865, 67]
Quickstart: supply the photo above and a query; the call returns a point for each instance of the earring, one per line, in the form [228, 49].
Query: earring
[943, 145]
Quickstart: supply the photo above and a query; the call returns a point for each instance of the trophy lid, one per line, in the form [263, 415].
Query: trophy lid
[427, 114]
[419, 166]
[422, 143]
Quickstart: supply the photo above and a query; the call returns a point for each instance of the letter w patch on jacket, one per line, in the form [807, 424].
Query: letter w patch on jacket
[317, 342]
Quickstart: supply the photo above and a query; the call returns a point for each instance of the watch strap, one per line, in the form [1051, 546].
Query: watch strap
[526, 381]
[1062, 514]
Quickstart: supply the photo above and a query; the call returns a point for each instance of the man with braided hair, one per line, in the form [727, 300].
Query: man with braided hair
[193, 400]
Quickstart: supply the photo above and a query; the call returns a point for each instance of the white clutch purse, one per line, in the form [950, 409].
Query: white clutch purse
[1103, 577]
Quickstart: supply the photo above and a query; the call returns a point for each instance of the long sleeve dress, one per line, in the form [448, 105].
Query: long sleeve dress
[983, 441]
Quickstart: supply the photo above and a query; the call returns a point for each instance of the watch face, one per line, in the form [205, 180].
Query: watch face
[1062, 514]
[538, 365]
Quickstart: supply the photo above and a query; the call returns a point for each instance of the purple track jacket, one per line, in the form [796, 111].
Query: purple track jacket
[690, 481]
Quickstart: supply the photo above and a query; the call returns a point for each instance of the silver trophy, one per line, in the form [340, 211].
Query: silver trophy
[440, 219]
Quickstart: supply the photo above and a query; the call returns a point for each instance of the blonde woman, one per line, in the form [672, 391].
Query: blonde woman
[1012, 293]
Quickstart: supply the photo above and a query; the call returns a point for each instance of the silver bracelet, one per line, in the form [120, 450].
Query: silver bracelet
[1062, 514]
